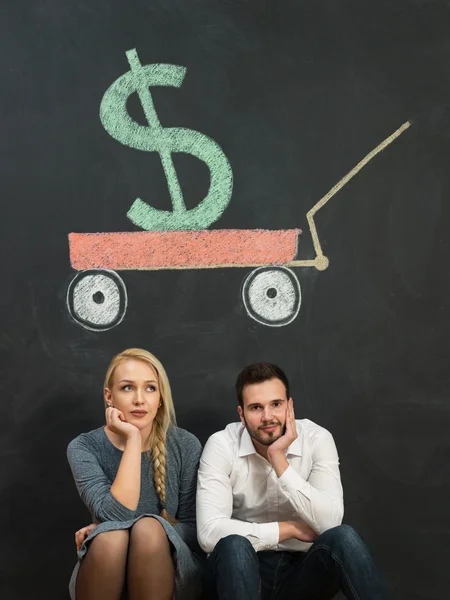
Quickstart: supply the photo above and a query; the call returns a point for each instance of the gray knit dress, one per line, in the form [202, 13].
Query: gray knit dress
[94, 461]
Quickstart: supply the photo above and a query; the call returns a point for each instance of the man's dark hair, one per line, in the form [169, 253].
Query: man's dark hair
[257, 373]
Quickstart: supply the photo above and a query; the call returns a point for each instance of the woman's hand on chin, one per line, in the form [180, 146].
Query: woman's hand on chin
[115, 421]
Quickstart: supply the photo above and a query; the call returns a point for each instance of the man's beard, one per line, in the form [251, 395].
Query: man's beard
[265, 437]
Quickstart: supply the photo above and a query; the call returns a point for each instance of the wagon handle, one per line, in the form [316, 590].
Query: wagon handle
[321, 262]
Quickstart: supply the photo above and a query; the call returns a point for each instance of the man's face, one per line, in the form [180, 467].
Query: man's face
[264, 412]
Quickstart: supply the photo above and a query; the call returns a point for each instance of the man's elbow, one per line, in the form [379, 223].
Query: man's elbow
[332, 518]
[207, 538]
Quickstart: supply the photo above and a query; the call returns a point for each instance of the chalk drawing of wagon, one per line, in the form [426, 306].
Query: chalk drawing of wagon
[271, 293]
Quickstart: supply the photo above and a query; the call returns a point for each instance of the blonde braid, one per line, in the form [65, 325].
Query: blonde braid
[159, 468]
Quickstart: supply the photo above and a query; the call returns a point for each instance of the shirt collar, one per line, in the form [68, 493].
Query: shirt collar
[295, 449]
[246, 446]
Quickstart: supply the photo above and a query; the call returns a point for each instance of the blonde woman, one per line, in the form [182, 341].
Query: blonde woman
[137, 477]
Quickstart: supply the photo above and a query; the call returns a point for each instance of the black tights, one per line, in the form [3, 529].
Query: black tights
[141, 556]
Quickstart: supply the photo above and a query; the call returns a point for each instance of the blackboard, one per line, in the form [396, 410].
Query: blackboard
[291, 95]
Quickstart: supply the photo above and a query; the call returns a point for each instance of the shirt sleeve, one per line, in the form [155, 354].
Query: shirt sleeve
[215, 502]
[186, 514]
[93, 485]
[319, 499]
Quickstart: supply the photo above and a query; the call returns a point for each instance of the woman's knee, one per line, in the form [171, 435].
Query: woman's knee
[109, 543]
[149, 535]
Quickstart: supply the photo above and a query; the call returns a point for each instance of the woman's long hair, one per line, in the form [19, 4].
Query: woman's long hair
[164, 417]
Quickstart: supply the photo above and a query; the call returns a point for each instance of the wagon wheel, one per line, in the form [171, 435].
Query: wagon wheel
[97, 299]
[272, 296]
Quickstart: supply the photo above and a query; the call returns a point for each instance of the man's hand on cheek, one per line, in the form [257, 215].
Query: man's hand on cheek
[290, 433]
[275, 452]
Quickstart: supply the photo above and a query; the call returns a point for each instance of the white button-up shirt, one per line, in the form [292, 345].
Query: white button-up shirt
[238, 491]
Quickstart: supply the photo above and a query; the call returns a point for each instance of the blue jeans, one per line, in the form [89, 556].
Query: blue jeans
[337, 560]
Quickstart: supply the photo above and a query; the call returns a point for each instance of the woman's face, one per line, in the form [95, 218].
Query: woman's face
[135, 392]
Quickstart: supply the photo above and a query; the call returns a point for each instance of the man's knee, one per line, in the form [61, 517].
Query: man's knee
[343, 538]
[234, 547]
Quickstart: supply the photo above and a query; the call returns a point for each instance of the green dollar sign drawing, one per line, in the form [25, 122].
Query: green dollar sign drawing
[165, 140]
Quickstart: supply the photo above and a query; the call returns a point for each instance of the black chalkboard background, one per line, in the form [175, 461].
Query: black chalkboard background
[295, 93]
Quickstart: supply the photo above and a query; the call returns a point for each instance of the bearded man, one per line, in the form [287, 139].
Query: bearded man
[270, 504]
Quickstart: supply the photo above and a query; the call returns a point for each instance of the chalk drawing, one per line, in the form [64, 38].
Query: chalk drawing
[97, 299]
[321, 262]
[165, 140]
[272, 296]
[273, 304]
[155, 250]
[178, 239]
